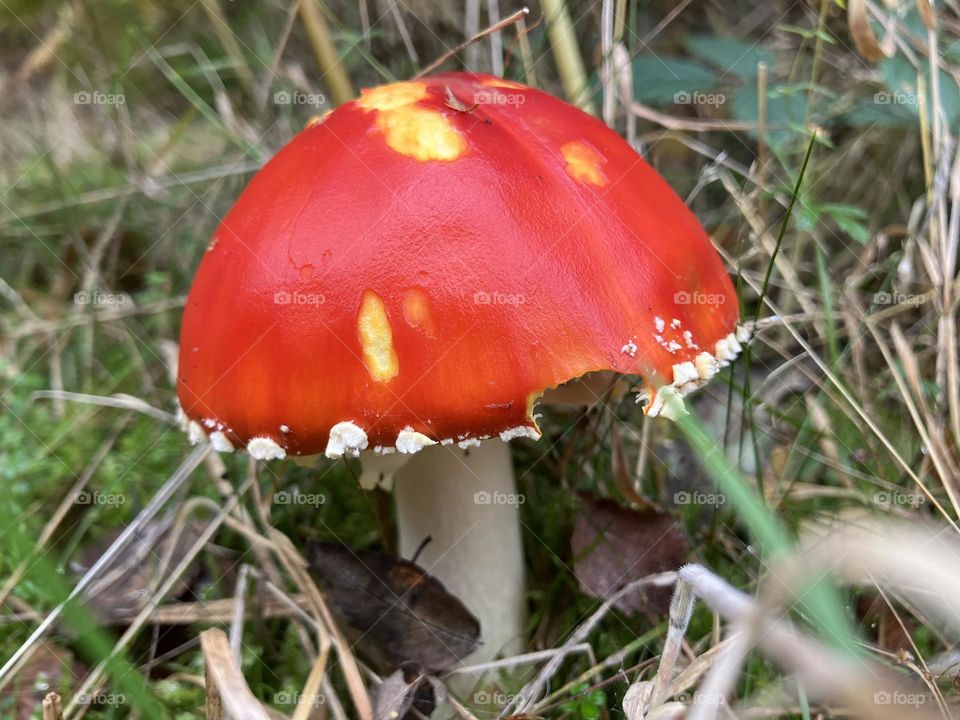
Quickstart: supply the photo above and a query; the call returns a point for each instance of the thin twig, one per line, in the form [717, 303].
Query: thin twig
[506, 22]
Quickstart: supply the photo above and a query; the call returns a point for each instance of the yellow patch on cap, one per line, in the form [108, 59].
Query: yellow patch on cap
[416, 311]
[583, 163]
[418, 132]
[376, 338]
[421, 133]
[501, 83]
[390, 97]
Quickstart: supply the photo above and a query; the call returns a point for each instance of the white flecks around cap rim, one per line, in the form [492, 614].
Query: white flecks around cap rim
[346, 438]
[220, 442]
[630, 348]
[707, 365]
[667, 400]
[181, 418]
[685, 372]
[195, 433]
[264, 448]
[410, 441]
[727, 349]
[468, 443]
[527, 431]
[668, 403]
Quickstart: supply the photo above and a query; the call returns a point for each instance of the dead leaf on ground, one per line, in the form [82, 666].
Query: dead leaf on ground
[407, 694]
[397, 611]
[124, 586]
[613, 546]
[880, 621]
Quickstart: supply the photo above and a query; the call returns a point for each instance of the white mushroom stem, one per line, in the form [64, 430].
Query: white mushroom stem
[467, 502]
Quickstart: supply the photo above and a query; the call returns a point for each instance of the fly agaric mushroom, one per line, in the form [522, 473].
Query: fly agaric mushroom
[407, 277]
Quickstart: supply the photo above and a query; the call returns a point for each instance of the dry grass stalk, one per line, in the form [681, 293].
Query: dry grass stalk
[227, 692]
[332, 71]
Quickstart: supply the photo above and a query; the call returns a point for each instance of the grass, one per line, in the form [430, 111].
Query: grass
[845, 412]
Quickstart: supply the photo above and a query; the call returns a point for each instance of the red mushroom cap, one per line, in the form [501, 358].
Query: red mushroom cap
[421, 263]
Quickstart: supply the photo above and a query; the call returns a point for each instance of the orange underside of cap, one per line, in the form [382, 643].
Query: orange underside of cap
[430, 257]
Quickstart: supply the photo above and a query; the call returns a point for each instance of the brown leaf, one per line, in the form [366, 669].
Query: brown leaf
[863, 38]
[398, 612]
[406, 694]
[613, 546]
[124, 587]
[881, 623]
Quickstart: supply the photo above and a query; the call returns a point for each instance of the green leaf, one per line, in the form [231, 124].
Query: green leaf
[732, 57]
[786, 111]
[850, 219]
[900, 78]
[658, 79]
[869, 112]
[808, 33]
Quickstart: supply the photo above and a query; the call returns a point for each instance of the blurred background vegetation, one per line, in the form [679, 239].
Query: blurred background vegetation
[127, 129]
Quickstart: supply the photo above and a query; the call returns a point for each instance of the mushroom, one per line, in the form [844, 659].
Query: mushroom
[405, 279]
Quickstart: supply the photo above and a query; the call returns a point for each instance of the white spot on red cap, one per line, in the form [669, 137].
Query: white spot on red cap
[410, 441]
[707, 365]
[195, 433]
[667, 403]
[685, 372]
[264, 448]
[220, 442]
[527, 431]
[346, 438]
